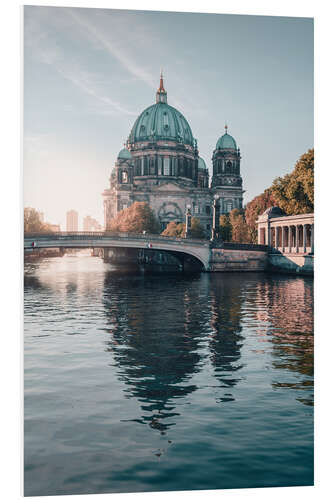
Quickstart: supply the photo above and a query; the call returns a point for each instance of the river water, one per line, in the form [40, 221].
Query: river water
[165, 382]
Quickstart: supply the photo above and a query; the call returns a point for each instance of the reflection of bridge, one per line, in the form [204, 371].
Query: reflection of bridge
[199, 249]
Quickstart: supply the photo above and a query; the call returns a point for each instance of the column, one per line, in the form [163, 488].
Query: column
[312, 238]
[282, 237]
[297, 238]
[289, 239]
[304, 238]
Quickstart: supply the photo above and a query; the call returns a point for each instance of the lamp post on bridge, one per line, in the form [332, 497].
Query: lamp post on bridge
[188, 221]
[216, 218]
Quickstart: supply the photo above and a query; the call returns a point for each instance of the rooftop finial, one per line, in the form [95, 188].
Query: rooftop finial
[161, 95]
[161, 88]
[226, 128]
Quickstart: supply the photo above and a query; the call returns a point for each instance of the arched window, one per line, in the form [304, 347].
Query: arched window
[229, 206]
[152, 165]
[228, 167]
[166, 165]
[159, 165]
[124, 177]
[145, 166]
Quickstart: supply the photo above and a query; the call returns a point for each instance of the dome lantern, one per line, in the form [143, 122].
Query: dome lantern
[161, 94]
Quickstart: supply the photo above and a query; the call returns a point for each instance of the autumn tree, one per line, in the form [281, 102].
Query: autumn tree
[225, 229]
[294, 193]
[240, 230]
[255, 208]
[174, 230]
[177, 230]
[33, 222]
[197, 231]
[137, 218]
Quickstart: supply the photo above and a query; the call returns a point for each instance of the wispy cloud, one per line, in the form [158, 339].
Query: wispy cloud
[46, 50]
[113, 47]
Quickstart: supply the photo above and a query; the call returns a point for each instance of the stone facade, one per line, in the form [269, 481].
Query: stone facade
[290, 240]
[160, 165]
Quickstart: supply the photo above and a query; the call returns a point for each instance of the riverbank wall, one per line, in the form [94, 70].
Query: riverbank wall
[239, 257]
[291, 263]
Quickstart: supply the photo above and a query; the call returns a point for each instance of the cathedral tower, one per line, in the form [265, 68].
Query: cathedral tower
[227, 181]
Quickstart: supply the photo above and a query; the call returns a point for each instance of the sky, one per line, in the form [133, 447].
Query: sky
[88, 73]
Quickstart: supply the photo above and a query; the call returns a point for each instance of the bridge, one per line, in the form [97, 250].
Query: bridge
[179, 247]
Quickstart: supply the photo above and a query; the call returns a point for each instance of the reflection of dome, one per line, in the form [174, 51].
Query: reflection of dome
[161, 122]
[226, 141]
[201, 163]
[124, 154]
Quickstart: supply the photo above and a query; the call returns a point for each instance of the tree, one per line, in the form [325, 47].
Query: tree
[240, 230]
[294, 193]
[137, 218]
[174, 230]
[225, 230]
[255, 208]
[197, 231]
[177, 230]
[33, 222]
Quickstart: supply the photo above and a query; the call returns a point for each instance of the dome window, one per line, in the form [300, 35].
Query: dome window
[165, 120]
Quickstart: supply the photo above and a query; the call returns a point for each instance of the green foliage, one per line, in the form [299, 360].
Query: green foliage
[33, 222]
[137, 218]
[225, 230]
[294, 193]
[255, 208]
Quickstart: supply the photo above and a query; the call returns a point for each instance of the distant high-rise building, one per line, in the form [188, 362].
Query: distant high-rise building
[91, 224]
[72, 221]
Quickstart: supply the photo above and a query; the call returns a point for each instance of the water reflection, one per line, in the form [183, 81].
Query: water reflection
[226, 339]
[156, 353]
[205, 373]
[166, 331]
[288, 323]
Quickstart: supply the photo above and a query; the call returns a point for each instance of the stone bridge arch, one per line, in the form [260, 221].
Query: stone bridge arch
[198, 249]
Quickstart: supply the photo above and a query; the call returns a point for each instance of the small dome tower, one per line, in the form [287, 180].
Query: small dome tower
[227, 181]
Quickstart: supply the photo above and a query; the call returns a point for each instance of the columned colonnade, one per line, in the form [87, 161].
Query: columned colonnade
[292, 238]
[288, 234]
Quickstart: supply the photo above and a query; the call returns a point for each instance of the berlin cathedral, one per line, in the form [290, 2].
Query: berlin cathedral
[160, 165]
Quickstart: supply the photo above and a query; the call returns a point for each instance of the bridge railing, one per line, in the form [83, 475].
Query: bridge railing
[244, 246]
[96, 235]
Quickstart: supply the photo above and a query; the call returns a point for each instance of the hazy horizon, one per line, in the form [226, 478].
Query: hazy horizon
[88, 73]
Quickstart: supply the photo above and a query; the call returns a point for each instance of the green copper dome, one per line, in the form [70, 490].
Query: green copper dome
[124, 154]
[226, 141]
[161, 122]
[201, 163]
